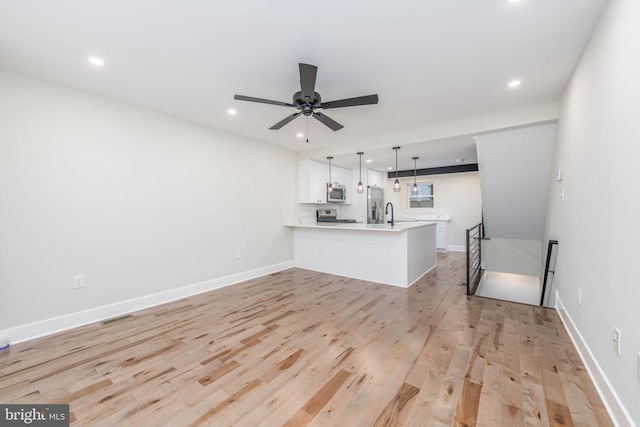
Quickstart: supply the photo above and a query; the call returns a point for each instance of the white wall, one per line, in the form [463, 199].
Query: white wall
[514, 174]
[513, 256]
[596, 226]
[457, 195]
[137, 201]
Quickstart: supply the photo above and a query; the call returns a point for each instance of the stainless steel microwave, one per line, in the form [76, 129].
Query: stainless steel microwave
[336, 193]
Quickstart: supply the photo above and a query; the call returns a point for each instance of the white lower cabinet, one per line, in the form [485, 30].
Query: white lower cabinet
[441, 236]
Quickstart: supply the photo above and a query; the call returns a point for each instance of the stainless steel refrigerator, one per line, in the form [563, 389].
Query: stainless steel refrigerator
[375, 205]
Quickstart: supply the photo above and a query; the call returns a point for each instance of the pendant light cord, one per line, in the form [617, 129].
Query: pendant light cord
[330, 188]
[396, 184]
[360, 188]
[415, 174]
[396, 162]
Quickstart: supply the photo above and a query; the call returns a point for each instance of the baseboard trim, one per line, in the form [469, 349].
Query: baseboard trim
[610, 399]
[73, 320]
[456, 248]
[421, 276]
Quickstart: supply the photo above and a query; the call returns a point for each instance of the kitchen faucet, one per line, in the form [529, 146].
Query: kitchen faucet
[386, 211]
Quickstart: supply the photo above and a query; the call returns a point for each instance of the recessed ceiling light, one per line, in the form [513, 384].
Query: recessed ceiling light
[513, 1]
[514, 83]
[96, 61]
[299, 134]
[390, 168]
[369, 160]
[232, 112]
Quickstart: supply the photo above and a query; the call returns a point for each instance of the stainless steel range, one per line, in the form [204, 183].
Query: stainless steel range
[330, 215]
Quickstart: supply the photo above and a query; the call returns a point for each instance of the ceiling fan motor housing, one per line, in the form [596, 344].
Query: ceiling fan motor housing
[305, 104]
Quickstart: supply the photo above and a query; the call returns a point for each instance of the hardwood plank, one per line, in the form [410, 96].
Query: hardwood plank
[218, 373]
[228, 401]
[317, 402]
[390, 416]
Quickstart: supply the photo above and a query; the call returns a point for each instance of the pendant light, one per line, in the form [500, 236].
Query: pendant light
[330, 187]
[396, 184]
[360, 186]
[415, 175]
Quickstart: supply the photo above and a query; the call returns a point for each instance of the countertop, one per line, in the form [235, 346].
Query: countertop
[437, 218]
[397, 228]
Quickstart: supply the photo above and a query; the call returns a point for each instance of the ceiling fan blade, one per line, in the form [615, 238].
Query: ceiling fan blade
[261, 100]
[284, 121]
[351, 102]
[308, 80]
[327, 121]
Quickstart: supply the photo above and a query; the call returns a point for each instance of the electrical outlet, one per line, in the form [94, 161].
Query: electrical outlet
[580, 296]
[237, 253]
[617, 338]
[78, 281]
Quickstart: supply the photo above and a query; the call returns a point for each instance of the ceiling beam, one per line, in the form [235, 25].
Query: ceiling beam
[471, 167]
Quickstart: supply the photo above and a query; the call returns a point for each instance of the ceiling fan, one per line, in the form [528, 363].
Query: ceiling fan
[307, 100]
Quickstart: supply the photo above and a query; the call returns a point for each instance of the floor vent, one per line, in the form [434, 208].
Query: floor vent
[114, 319]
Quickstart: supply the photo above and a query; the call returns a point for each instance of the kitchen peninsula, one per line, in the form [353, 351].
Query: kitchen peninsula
[395, 255]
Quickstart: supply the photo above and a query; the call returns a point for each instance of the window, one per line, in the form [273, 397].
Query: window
[424, 198]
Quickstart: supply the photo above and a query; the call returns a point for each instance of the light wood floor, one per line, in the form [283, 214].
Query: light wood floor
[302, 348]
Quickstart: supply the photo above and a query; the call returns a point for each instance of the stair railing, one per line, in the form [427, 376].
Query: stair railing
[474, 257]
[547, 269]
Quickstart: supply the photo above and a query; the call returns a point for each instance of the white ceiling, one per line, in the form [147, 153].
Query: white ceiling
[429, 61]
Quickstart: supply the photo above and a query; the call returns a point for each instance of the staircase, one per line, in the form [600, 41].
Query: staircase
[515, 173]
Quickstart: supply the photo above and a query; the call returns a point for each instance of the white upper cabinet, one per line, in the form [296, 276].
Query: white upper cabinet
[374, 178]
[337, 175]
[312, 181]
[346, 181]
[313, 178]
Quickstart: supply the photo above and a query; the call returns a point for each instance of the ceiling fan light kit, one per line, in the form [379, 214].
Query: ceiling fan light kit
[307, 101]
